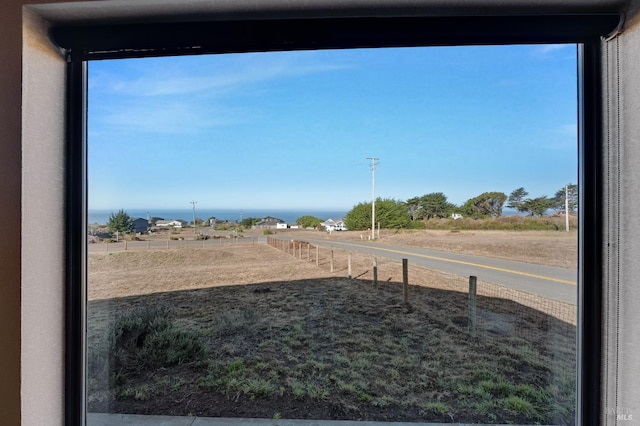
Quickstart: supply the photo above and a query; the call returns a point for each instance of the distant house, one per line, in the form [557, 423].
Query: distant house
[140, 225]
[334, 225]
[269, 222]
[456, 216]
[169, 223]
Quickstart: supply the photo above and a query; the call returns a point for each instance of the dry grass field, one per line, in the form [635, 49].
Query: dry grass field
[282, 337]
[553, 248]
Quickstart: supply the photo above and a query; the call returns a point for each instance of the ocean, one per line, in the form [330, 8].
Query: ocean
[102, 216]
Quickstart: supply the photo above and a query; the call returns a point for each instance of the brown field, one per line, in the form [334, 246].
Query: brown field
[553, 248]
[286, 338]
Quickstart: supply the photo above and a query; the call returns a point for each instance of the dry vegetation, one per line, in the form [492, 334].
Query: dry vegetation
[285, 338]
[553, 248]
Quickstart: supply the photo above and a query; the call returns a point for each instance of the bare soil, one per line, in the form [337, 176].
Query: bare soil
[286, 338]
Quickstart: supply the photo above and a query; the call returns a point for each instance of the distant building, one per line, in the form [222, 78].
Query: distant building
[456, 216]
[140, 225]
[169, 223]
[269, 223]
[334, 225]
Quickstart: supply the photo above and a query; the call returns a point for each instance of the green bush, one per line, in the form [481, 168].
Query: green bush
[267, 232]
[143, 339]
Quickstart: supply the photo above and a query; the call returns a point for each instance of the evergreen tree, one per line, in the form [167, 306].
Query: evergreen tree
[435, 205]
[559, 198]
[120, 222]
[537, 206]
[517, 199]
[487, 204]
[309, 221]
[389, 212]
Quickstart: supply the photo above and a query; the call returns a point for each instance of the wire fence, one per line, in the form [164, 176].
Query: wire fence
[173, 244]
[495, 309]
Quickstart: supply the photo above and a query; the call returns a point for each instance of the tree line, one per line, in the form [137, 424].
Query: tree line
[392, 213]
[397, 214]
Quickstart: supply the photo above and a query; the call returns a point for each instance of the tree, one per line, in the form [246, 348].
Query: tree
[309, 221]
[537, 206]
[154, 220]
[248, 222]
[517, 198]
[559, 198]
[436, 205]
[487, 204]
[414, 207]
[389, 212]
[120, 222]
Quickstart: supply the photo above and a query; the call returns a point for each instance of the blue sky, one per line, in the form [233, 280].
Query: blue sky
[293, 130]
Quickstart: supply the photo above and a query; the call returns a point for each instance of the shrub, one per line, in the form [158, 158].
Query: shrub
[506, 223]
[267, 232]
[234, 321]
[143, 339]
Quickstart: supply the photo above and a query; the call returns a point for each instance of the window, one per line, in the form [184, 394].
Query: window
[407, 33]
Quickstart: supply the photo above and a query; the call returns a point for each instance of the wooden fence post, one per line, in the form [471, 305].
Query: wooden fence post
[472, 305]
[308, 252]
[331, 260]
[375, 271]
[349, 262]
[148, 245]
[300, 250]
[317, 256]
[405, 281]
[125, 244]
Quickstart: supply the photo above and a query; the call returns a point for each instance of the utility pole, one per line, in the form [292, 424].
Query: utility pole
[374, 163]
[193, 203]
[566, 207]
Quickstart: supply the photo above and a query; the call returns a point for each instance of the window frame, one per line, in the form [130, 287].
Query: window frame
[84, 43]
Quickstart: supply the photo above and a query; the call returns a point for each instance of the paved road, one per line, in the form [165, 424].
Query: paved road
[548, 281]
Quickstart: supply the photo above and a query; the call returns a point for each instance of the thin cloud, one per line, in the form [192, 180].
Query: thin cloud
[545, 50]
[155, 81]
[168, 117]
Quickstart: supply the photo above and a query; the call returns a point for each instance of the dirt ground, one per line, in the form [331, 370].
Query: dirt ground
[333, 347]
